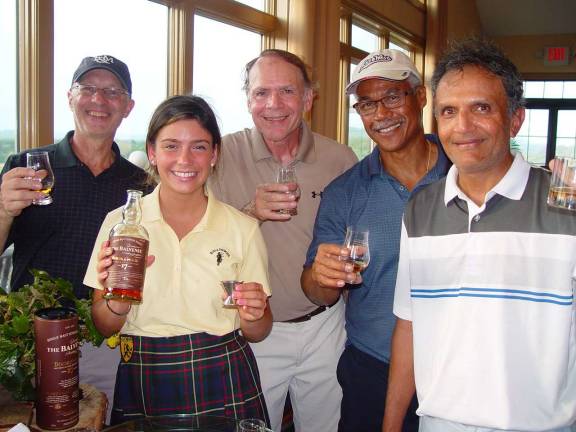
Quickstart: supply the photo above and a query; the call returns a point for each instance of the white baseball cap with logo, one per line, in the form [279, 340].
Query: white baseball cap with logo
[386, 64]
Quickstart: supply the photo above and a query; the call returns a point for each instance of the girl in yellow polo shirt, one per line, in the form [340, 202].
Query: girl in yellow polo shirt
[182, 352]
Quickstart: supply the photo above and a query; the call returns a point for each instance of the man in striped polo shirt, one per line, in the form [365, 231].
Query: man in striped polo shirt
[484, 296]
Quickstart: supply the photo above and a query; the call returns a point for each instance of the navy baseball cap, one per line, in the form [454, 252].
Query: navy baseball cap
[109, 63]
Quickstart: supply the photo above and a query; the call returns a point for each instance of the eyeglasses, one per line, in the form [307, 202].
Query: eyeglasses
[108, 93]
[390, 101]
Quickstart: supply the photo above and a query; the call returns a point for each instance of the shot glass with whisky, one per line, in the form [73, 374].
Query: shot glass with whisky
[562, 193]
[356, 241]
[39, 161]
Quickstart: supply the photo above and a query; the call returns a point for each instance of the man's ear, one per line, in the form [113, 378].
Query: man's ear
[308, 99]
[420, 93]
[516, 121]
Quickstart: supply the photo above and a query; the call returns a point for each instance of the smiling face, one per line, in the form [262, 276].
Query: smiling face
[392, 129]
[474, 126]
[183, 153]
[95, 116]
[277, 98]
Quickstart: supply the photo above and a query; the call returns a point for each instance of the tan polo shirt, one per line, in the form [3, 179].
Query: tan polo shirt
[182, 290]
[246, 162]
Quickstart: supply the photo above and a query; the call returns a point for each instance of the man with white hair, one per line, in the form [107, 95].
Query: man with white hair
[390, 97]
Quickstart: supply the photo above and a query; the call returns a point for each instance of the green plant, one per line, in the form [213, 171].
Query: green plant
[17, 356]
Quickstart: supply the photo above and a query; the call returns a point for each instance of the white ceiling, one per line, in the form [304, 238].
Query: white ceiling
[527, 17]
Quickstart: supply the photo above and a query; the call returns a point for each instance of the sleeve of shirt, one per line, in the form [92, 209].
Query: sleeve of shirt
[11, 162]
[330, 225]
[91, 277]
[402, 302]
[255, 263]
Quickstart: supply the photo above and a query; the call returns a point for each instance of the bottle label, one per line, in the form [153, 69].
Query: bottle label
[128, 263]
[57, 392]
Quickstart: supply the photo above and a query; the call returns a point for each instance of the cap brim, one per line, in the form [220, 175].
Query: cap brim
[392, 75]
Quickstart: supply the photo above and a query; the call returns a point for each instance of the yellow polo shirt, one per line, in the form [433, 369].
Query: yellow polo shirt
[182, 290]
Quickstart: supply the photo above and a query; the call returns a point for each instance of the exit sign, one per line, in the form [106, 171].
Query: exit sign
[559, 55]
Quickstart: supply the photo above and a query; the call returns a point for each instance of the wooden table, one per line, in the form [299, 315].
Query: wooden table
[92, 411]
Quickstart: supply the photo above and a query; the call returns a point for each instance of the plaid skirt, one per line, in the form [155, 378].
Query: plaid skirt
[191, 374]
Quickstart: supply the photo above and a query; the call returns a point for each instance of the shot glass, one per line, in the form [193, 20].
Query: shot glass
[228, 286]
[252, 425]
[562, 192]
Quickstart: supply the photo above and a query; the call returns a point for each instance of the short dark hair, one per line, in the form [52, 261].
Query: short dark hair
[183, 108]
[287, 56]
[484, 54]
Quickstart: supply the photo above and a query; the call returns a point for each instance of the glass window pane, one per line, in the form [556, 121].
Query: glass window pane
[565, 147]
[566, 133]
[358, 139]
[107, 30]
[533, 89]
[553, 89]
[363, 39]
[392, 45]
[8, 79]
[256, 4]
[218, 79]
[566, 126]
[550, 89]
[570, 89]
[532, 138]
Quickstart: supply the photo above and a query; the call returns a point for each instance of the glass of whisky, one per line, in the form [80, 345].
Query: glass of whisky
[287, 175]
[562, 193]
[39, 161]
[356, 241]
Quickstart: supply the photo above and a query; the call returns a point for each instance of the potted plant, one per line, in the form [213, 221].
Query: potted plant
[17, 356]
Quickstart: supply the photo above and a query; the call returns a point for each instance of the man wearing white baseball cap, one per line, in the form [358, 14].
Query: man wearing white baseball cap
[389, 99]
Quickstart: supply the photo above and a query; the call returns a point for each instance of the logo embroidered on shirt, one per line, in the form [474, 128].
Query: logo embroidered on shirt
[220, 255]
[317, 194]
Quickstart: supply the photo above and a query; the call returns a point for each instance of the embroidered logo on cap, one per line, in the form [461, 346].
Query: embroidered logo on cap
[376, 58]
[104, 59]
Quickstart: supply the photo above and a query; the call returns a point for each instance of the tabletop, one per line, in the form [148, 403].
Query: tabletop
[184, 422]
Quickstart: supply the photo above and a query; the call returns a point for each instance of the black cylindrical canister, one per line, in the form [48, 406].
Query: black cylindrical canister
[57, 391]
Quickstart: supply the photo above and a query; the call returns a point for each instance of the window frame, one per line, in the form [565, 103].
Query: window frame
[553, 106]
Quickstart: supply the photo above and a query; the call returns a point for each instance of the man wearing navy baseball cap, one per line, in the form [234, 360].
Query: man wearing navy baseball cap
[390, 97]
[91, 179]
[106, 62]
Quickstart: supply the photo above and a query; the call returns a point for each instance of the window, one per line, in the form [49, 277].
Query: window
[8, 79]
[566, 133]
[112, 29]
[392, 45]
[363, 39]
[550, 89]
[531, 140]
[358, 140]
[549, 127]
[218, 78]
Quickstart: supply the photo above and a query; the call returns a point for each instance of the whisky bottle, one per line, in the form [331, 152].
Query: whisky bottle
[56, 344]
[129, 241]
